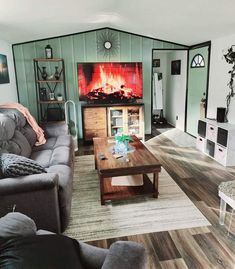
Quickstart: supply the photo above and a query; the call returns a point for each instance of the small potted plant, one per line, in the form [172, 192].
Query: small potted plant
[122, 142]
[59, 97]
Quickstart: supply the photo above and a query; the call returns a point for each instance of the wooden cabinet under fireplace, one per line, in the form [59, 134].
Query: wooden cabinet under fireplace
[94, 122]
[103, 120]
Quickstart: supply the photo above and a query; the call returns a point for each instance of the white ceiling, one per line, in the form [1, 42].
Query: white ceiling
[182, 21]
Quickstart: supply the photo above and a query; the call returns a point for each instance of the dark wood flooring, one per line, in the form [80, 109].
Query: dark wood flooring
[197, 248]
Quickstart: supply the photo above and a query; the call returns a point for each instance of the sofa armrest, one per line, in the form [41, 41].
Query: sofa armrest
[28, 183]
[126, 254]
[92, 257]
[35, 196]
[55, 129]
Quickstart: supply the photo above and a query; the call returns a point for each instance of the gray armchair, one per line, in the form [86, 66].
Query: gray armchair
[49, 250]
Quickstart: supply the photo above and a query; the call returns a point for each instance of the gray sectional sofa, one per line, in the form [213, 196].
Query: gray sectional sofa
[45, 197]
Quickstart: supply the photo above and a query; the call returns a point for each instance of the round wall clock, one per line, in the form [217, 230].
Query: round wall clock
[108, 43]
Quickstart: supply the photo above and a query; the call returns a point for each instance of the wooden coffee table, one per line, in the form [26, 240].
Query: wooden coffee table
[140, 161]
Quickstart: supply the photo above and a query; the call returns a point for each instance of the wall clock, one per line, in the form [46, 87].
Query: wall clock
[108, 43]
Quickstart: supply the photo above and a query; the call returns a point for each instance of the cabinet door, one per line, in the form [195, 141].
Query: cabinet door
[135, 121]
[116, 120]
[94, 122]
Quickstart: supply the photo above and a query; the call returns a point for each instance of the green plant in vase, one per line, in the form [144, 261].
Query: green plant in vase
[122, 140]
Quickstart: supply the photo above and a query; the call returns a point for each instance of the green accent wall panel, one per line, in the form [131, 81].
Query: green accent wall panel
[83, 48]
[100, 54]
[28, 52]
[79, 51]
[116, 56]
[167, 45]
[21, 75]
[91, 47]
[125, 47]
[67, 53]
[158, 44]
[136, 48]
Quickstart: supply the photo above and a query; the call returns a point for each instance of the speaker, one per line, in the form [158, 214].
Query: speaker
[221, 114]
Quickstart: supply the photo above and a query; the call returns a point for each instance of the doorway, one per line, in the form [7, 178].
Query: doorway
[197, 90]
[169, 80]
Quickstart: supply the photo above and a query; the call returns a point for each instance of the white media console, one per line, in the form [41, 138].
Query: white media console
[217, 140]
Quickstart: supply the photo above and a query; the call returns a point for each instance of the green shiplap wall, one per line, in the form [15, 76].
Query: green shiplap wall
[83, 48]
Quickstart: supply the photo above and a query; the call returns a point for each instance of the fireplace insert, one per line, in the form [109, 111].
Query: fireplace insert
[110, 82]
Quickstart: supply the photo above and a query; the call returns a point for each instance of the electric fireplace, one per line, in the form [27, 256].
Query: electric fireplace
[110, 82]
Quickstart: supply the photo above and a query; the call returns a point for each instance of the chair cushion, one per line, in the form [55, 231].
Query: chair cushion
[228, 188]
[16, 224]
[40, 251]
[14, 166]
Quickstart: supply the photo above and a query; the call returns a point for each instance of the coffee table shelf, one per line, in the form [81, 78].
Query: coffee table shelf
[125, 192]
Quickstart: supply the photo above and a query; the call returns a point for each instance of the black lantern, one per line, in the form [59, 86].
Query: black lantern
[48, 52]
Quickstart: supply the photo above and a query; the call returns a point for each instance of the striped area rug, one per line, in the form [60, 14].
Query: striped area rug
[90, 221]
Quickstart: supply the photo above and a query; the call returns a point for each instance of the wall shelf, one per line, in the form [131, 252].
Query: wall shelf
[50, 110]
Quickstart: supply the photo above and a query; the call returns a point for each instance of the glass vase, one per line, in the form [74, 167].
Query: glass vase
[44, 73]
[57, 74]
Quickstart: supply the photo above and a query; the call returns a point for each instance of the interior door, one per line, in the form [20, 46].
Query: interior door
[197, 87]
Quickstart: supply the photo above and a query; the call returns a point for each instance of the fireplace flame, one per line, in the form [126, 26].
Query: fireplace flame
[112, 81]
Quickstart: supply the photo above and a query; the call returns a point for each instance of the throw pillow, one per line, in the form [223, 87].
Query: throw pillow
[14, 166]
[16, 224]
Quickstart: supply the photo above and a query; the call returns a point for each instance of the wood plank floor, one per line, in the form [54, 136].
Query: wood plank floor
[197, 248]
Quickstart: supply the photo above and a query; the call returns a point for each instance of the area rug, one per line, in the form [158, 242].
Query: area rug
[90, 221]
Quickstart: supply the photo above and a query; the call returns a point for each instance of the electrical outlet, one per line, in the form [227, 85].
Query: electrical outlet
[176, 117]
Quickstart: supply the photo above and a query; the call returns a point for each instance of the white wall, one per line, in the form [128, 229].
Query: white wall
[219, 78]
[8, 92]
[162, 55]
[176, 90]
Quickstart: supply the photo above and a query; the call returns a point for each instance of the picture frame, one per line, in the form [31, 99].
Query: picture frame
[175, 67]
[156, 62]
[4, 75]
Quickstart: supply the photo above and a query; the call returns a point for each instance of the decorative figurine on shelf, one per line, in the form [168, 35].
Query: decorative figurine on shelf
[44, 73]
[51, 96]
[42, 94]
[48, 52]
[59, 97]
[57, 74]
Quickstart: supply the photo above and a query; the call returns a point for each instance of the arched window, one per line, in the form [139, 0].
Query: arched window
[197, 61]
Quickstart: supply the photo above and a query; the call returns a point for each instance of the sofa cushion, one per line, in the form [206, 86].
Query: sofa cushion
[14, 165]
[55, 142]
[40, 251]
[22, 142]
[42, 157]
[16, 224]
[15, 115]
[7, 127]
[30, 135]
[18, 144]
[56, 151]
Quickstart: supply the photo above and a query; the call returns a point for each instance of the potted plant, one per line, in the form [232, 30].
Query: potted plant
[59, 97]
[122, 142]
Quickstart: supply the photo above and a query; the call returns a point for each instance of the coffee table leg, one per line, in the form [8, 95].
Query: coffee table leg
[155, 184]
[102, 190]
